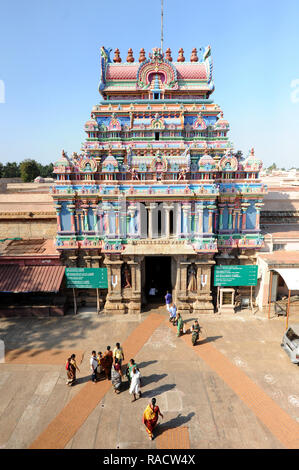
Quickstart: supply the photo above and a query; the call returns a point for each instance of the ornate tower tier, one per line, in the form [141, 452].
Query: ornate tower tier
[157, 177]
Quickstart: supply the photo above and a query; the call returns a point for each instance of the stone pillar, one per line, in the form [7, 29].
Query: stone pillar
[58, 210]
[131, 213]
[85, 218]
[181, 288]
[221, 218]
[167, 220]
[244, 210]
[71, 208]
[113, 302]
[134, 306]
[95, 217]
[117, 222]
[179, 221]
[230, 218]
[186, 219]
[138, 216]
[237, 222]
[199, 211]
[258, 207]
[106, 228]
[203, 302]
[151, 207]
[211, 212]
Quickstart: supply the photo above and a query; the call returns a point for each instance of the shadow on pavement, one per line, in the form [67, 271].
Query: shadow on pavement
[209, 339]
[173, 423]
[145, 364]
[45, 333]
[158, 391]
[146, 380]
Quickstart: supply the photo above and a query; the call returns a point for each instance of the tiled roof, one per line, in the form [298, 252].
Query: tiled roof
[281, 257]
[185, 71]
[122, 71]
[191, 71]
[15, 278]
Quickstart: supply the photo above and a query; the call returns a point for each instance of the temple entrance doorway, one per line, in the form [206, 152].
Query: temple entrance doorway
[157, 278]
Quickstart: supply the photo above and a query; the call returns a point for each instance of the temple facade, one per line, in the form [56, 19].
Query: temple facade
[157, 195]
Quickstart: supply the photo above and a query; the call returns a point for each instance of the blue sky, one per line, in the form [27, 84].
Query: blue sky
[49, 65]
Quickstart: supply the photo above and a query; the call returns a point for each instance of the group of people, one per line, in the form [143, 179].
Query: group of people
[176, 319]
[109, 365]
[103, 364]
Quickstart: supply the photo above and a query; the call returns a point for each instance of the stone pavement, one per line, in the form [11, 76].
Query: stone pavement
[200, 406]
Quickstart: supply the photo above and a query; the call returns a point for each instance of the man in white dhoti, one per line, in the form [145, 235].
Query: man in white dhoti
[135, 383]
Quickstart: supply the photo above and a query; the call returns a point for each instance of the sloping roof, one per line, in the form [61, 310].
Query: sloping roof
[17, 279]
[280, 257]
[34, 247]
[281, 230]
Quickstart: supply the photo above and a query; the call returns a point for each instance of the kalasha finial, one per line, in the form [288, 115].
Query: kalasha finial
[194, 57]
[168, 54]
[181, 57]
[252, 151]
[142, 57]
[130, 57]
[116, 57]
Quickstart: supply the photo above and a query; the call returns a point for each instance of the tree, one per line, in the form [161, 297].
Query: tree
[46, 171]
[272, 167]
[29, 170]
[11, 170]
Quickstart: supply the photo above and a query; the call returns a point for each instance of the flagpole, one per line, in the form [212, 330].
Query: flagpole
[161, 25]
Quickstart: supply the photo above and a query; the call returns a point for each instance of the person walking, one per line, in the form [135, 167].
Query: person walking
[150, 417]
[135, 383]
[129, 369]
[100, 367]
[93, 366]
[71, 367]
[107, 362]
[172, 313]
[168, 300]
[180, 324]
[116, 375]
[70, 372]
[118, 354]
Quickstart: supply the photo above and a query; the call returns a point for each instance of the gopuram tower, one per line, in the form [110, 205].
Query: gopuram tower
[157, 195]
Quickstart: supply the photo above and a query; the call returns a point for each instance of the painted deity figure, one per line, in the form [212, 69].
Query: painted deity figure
[134, 174]
[182, 174]
[126, 276]
[192, 283]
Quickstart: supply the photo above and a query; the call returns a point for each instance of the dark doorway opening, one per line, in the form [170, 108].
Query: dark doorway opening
[171, 222]
[157, 277]
[159, 223]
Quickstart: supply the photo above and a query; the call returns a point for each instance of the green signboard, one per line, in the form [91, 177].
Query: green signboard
[235, 276]
[87, 278]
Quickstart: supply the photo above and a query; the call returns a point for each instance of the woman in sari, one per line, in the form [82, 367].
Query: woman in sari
[116, 375]
[180, 324]
[150, 417]
[71, 367]
[107, 362]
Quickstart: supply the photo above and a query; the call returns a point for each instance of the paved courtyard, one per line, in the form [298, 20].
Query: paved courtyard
[236, 389]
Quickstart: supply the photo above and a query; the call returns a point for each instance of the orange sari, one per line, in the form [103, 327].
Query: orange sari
[150, 418]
